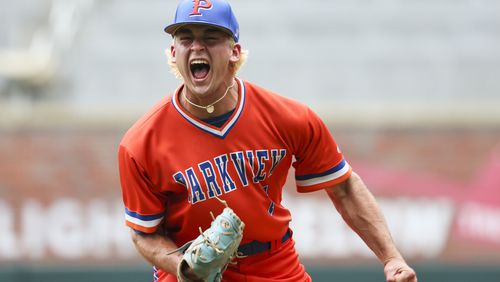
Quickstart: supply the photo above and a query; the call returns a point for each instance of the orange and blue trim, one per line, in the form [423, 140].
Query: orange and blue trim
[215, 131]
[336, 174]
[143, 223]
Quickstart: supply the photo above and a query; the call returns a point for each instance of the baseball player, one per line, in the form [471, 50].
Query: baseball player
[220, 145]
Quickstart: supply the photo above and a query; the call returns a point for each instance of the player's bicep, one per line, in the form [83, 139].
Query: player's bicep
[339, 190]
[352, 189]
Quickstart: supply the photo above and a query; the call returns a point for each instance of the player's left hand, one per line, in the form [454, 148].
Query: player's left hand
[209, 254]
[396, 270]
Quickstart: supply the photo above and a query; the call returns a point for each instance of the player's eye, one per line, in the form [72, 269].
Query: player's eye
[184, 38]
[211, 39]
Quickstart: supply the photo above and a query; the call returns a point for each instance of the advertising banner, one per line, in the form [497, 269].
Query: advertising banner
[60, 199]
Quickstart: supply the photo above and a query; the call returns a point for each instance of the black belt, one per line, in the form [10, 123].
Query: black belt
[256, 247]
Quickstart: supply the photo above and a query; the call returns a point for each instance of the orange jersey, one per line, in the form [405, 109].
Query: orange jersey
[172, 165]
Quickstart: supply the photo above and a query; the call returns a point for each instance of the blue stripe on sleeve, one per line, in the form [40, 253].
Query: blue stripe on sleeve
[143, 217]
[330, 171]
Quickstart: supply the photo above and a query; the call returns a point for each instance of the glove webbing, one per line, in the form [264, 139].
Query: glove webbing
[184, 247]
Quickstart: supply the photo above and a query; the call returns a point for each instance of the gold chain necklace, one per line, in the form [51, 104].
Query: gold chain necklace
[209, 108]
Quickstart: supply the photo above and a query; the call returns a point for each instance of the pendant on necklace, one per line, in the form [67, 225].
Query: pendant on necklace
[210, 109]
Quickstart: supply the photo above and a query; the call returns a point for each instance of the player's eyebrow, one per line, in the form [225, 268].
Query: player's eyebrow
[183, 30]
[208, 30]
[213, 30]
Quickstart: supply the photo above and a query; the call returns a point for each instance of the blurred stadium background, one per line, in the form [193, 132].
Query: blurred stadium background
[410, 89]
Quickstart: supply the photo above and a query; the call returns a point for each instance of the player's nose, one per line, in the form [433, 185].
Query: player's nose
[197, 45]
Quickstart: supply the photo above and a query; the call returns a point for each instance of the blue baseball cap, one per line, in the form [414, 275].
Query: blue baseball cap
[216, 13]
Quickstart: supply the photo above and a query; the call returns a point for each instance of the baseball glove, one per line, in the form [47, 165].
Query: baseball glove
[209, 254]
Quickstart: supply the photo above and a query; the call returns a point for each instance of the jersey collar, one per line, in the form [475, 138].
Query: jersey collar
[218, 132]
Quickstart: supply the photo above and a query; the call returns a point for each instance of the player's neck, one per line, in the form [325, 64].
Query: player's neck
[221, 101]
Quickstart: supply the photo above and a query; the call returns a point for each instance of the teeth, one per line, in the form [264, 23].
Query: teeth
[199, 62]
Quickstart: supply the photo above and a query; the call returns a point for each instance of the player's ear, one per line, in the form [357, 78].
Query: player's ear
[235, 53]
[172, 54]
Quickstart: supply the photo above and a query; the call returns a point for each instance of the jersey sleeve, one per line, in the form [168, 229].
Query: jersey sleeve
[144, 206]
[319, 162]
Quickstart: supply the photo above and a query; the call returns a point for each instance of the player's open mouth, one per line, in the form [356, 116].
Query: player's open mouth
[199, 68]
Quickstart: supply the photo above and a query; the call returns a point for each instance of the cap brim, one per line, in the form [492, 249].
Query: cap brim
[172, 29]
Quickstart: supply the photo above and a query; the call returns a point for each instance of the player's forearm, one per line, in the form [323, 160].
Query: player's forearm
[154, 248]
[361, 212]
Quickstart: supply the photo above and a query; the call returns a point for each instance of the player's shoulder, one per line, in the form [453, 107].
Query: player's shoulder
[147, 123]
[274, 103]
[269, 95]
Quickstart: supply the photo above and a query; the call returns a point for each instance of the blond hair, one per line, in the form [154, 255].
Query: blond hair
[235, 67]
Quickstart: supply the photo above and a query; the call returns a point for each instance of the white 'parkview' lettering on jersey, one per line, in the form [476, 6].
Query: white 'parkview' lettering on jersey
[218, 178]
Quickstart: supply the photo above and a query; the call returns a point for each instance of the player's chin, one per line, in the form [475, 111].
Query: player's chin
[201, 83]
[201, 88]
